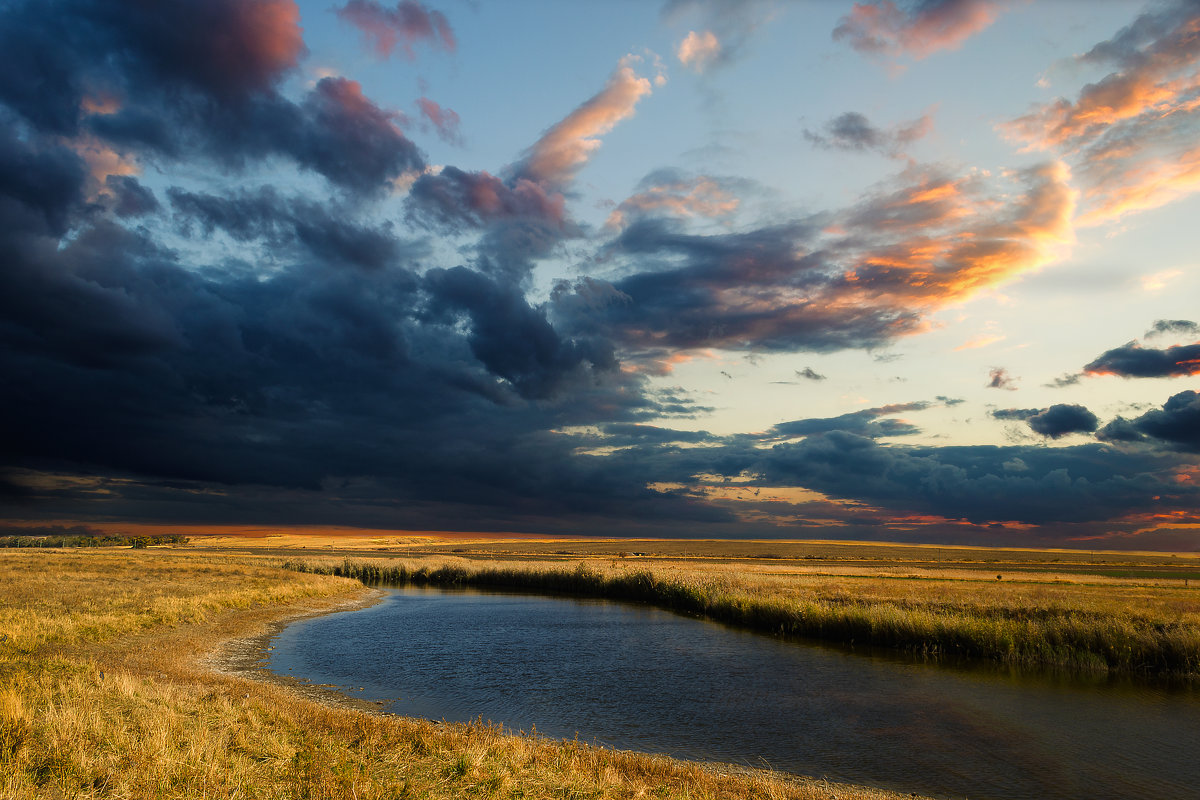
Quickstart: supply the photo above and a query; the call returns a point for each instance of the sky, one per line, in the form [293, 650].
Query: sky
[901, 271]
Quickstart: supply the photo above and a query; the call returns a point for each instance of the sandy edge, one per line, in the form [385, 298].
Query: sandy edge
[246, 656]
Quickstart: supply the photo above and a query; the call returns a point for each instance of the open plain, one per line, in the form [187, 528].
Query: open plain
[119, 664]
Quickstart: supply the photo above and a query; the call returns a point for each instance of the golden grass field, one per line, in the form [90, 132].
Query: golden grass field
[110, 687]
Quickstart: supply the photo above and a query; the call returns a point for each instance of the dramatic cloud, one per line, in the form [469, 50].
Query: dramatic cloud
[130, 198]
[404, 26]
[1176, 425]
[981, 484]
[883, 28]
[866, 422]
[295, 227]
[215, 304]
[194, 80]
[1134, 361]
[698, 51]
[1060, 419]
[852, 131]
[857, 278]
[350, 140]
[1133, 132]
[524, 211]
[453, 198]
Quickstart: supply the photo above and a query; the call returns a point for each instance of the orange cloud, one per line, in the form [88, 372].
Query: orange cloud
[979, 341]
[1131, 134]
[1144, 185]
[956, 241]
[557, 156]
[698, 51]
[102, 161]
[698, 197]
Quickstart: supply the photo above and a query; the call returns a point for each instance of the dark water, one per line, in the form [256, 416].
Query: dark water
[642, 679]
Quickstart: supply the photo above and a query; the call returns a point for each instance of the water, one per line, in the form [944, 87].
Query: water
[642, 679]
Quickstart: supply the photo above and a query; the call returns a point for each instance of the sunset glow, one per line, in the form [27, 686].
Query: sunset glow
[864, 270]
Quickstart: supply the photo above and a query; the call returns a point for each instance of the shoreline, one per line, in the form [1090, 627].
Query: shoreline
[244, 656]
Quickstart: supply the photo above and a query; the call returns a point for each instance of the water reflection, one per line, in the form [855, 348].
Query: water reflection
[638, 678]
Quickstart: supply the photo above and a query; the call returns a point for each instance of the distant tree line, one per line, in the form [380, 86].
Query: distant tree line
[92, 540]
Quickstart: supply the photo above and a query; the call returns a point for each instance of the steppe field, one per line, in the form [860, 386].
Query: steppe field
[133, 672]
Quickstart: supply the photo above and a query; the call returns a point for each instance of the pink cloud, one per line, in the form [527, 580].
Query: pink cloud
[455, 196]
[883, 28]
[699, 50]
[555, 158]
[696, 197]
[408, 23]
[444, 120]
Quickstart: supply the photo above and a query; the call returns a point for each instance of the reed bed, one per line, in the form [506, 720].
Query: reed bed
[104, 693]
[1117, 628]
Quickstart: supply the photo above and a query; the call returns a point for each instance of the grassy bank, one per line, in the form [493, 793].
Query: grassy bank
[1123, 628]
[104, 693]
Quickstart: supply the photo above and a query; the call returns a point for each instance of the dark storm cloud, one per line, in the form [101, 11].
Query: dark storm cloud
[1053, 422]
[454, 199]
[40, 184]
[1175, 425]
[56, 55]
[329, 233]
[131, 198]
[852, 131]
[193, 78]
[315, 379]
[1162, 327]
[1082, 484]
[1134, 361]
[1060, 419]
[512, 339]
[729, 290]
[856, 278]
[262, 356]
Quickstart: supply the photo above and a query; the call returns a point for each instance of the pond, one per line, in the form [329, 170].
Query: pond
[638, 678]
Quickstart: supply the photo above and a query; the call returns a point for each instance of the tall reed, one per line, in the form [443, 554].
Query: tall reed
[1023, 633]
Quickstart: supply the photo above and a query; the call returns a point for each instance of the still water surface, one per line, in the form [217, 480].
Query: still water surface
[642, 679]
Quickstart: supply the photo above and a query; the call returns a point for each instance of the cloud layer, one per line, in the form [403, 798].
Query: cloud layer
[231, 294]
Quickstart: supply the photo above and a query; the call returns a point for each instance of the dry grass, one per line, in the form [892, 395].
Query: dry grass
[103, 693]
